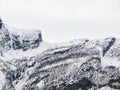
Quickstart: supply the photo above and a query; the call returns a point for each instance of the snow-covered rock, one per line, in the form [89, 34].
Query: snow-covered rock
[23, 40]
[28, 63]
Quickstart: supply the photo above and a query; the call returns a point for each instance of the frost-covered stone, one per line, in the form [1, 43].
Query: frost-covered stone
[26, 41]
[76, 65]
[10, 40]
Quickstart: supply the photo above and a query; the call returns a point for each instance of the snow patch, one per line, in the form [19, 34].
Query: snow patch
[2, 80]
[105, 88]
[18, 54]
[20, 85]
[110, 62]
[100, 49]
[105, 61]
[40, 85]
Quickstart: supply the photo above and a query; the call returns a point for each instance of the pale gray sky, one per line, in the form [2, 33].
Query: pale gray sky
[63, 20]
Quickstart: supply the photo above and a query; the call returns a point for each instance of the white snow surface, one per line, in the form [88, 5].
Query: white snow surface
[105, 88]
[100, 52]
[18, 54]
[19, 85]
[40, 85]
[108, 61]
[2, 79]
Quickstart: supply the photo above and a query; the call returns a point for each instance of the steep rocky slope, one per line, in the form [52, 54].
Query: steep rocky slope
[77, 65]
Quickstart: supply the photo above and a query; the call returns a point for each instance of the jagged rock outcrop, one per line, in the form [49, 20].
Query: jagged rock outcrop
[77, 65]
[15, 41]
[26, 41]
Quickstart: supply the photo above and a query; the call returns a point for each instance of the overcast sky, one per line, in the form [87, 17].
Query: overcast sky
[64, 20]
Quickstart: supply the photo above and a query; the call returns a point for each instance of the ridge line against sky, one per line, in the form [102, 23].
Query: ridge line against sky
[64, 20]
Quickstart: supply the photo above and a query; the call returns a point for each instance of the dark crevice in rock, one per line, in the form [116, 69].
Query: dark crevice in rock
[83, 84]
[0, 23]
[114, 83]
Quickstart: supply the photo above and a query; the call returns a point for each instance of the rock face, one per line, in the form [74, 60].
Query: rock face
[26, 41]
[77, 65]
[15, 41]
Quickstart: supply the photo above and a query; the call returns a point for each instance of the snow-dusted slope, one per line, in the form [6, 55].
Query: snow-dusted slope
[77, 65]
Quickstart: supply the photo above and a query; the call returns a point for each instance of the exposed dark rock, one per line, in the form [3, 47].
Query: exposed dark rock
[26, 42]
[0, 23]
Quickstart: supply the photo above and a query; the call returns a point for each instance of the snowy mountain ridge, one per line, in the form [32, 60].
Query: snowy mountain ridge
[29, 63]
